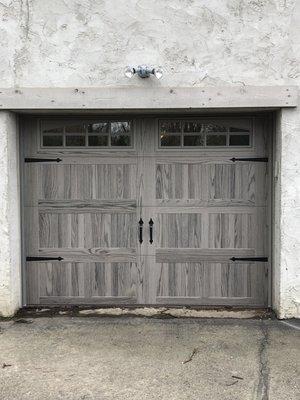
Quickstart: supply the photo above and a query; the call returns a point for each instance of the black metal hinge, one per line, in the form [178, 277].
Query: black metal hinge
[258, 259]
[255, 159]
[35, 160]
[44, 258]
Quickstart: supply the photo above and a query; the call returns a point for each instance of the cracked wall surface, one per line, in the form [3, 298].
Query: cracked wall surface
[77, 43]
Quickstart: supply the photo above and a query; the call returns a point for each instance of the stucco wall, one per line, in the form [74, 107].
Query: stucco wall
[73, 43]
[197, 42]
[286, 266]
[10, 252]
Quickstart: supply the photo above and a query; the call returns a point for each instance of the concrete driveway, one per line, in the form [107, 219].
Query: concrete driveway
[140, 358]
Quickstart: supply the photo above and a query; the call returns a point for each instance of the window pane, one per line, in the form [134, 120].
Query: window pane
[51, 128]
[170, 127]
[75, 140]
[213, 128]
[192, 127]
[216, 140]
[193, 140]
[120, 134]
[120, 140]
[52, 140]
[170, 140]
[99, 127]
[239, 140]
[98, 140]
[118, 128]
[76, 128]
[235, 129]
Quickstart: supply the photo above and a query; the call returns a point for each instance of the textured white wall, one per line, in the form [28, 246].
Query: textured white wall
[286, 295]
[198, 42]
[73, 43]
[10, 249]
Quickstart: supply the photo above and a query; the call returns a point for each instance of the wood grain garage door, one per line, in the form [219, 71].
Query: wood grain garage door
[206, 192]
[80, 212]
[146, 211]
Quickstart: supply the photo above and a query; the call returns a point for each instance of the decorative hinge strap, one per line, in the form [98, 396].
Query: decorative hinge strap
[44, 258]
[254, 159]
[257, 259]
[40, 160]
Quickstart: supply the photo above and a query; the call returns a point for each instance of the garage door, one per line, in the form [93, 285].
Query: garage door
[146, 211]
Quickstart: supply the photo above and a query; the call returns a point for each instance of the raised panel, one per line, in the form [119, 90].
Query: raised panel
[227, 230]
[169, 181]
[210, 182]
[208, 229]
[179, 230]
[81, 181]
[69, 230]
[211, 283]
[81, 282]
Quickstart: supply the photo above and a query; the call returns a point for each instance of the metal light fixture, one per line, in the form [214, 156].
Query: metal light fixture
[143, 71]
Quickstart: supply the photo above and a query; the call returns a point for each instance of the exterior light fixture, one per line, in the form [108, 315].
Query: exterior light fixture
[143, 71]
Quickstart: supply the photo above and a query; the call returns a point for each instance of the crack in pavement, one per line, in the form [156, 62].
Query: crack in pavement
[262, 392]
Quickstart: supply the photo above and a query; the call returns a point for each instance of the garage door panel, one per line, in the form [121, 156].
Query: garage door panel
[211, 283]
[90, 254]
[178, 230]
[87, 206]
[232, 230]
[238, 302]
[209, 205]
[212, 183]
[31, 230]
[88, 230]
[31, 192]
[86, 283]
[218, 229]
[194, 255]
[79, 182]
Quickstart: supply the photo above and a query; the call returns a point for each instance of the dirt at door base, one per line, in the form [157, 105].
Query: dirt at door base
[150, 312]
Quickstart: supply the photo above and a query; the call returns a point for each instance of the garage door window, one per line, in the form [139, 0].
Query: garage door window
[204, 133]
[86, 134]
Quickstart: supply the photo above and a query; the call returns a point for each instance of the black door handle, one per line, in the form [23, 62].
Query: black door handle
[151, 223]
[141, 223]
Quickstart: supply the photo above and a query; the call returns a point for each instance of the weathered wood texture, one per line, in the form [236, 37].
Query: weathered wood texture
[81, 282]
[139, 98]
[211, 283]
[212, 183]
[80, 183]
